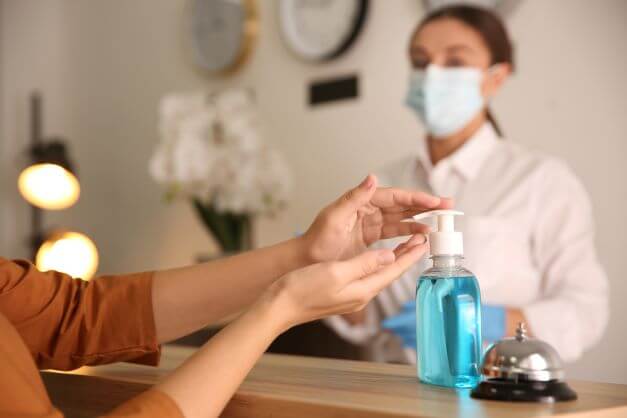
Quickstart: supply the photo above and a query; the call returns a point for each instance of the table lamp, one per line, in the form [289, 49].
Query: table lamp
[50, 182]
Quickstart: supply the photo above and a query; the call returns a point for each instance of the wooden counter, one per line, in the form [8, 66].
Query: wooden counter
[290, 386]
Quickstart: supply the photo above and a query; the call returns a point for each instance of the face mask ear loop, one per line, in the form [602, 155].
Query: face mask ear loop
[490, 71]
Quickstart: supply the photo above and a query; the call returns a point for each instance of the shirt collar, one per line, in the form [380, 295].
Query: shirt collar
[469, 158]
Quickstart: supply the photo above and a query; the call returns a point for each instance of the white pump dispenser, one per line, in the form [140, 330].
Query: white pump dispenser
[445, 240]
[448, 310]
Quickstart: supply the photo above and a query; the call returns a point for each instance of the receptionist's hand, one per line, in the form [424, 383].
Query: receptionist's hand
[403, 324]
[364, 215]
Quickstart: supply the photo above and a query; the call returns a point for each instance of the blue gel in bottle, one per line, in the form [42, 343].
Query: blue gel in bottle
[448, 326]
[448, 312]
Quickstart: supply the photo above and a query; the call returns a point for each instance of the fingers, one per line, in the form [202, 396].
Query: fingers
[392, 198]
[387, 217]
[394, 204]
[366, 263]
[400, 229]
[418, 239]
[446, 203]
[368, 287]
[355, 198]
[361, 288]
[376, 216]
[375, 282]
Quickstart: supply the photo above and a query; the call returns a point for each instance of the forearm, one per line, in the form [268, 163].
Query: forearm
[188, 298]
[203, 385]
[571, 323]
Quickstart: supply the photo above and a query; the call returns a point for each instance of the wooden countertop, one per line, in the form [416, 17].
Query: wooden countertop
[290, 386]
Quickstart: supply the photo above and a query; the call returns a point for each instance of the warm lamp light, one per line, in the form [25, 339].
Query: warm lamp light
[50, 182]
[49, 186]
[68, 252]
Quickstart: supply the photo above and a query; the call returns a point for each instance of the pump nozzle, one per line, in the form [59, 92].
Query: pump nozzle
[444, 241]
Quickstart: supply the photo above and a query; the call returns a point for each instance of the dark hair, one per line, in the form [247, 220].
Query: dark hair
[491, 29]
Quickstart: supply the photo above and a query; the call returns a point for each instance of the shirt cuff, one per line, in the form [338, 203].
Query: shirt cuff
[127, 325]
[554, 322]
[148, 334]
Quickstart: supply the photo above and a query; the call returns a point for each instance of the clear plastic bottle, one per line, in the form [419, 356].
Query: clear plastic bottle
[448, 326]
[448, 310]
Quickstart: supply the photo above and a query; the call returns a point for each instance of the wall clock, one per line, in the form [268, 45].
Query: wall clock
[222, 33]
[320, 30]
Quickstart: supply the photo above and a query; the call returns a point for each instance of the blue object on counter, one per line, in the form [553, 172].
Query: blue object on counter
[492, 322]
[403, 324]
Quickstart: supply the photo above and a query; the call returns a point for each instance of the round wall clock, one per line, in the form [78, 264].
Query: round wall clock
[320, 30]
[222, 33]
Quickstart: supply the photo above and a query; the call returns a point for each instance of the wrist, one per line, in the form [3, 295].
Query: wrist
[273, 309]
[303, 251]
[513, 318]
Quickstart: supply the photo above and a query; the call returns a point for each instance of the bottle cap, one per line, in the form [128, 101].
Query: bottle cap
[445, 240]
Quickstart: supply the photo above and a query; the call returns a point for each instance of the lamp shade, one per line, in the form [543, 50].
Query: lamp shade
[49, 186]
[69, 252]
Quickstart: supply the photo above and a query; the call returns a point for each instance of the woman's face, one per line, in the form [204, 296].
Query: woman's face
[450, 43]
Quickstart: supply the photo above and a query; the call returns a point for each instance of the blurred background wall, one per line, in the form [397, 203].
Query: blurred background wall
[103, 65]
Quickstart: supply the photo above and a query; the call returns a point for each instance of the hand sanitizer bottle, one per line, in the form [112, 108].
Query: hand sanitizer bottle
[448, 311]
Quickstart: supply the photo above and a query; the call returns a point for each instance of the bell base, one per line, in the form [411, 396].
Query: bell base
[523, 391]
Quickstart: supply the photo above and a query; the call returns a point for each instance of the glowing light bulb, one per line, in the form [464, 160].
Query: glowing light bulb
[49, 186]
[68, 252]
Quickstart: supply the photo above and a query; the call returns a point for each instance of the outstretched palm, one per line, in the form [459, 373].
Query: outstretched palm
[365, 215]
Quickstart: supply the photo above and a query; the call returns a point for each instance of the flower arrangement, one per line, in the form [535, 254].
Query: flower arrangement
[211, 152]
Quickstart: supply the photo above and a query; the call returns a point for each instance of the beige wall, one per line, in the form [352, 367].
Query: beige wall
[103, 65]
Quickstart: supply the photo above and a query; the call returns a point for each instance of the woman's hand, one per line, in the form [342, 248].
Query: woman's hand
[364, 215]
[310, 293]
[339, 287]
[185, 299]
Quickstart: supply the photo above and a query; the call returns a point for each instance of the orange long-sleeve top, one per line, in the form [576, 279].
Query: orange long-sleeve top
[51, 321]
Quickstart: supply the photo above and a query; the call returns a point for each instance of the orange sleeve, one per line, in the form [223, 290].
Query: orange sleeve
[152, 403]
[67, 323]
[22, 391]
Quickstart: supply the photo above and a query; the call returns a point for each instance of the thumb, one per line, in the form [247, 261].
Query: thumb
[364, 264]
[358, 196]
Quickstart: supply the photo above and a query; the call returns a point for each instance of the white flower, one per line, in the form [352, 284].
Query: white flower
[211, 149]
[233, 102]
[160, 166]
[192, 160]
[175, 107]
[243, 134]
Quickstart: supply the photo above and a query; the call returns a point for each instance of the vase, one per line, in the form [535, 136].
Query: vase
[232, 231]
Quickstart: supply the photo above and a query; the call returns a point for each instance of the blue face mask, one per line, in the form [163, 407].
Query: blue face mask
[445, 99]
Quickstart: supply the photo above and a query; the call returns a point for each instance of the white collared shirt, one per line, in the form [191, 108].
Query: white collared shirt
[528, 237]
